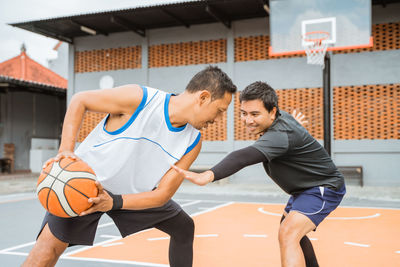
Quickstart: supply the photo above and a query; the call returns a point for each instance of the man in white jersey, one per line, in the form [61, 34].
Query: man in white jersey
[145, 127]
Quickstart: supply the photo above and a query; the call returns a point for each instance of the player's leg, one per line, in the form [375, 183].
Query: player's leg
[305, 212]
[293, 228]
[57, 234]
[307, 248]
[46, 250]
[170, 219]
[181, 230]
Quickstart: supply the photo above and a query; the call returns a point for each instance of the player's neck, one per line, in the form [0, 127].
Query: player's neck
[179, 109]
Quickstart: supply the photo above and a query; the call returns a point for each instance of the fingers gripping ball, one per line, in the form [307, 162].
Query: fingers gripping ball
[64, 187]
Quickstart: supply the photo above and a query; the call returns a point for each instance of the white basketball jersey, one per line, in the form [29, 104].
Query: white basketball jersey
[135, 157]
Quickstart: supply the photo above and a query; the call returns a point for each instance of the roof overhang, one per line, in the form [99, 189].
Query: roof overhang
[9, 84]
[140, 19]
[152, 16]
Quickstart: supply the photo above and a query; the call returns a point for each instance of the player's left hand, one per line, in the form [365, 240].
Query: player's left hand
[103, 202]
[300, 117]
[196, 178]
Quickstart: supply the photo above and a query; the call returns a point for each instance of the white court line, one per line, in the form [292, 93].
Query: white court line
[164, 238]
[327, 218]
[17, 247]
[209, 201]
[398, 251]
[284, 203]
[183, 205]
[191, 203]
[263, 236]
[105, 224]
[120, 238]
[158, 238]
[14, 253]
[210, 235]
[17, 200]
[110, 236]
[101, 243]
[113, 261]
[212, 209]
[67, 255]
[112, 244]
[357, 244]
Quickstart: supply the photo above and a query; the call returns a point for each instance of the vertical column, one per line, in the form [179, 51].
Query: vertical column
[71, 73]
[230, 60]
[145, 58]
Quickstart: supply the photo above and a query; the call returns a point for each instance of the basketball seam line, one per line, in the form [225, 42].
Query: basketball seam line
[56, 178]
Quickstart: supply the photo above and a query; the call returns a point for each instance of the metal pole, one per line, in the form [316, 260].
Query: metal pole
[326, 78]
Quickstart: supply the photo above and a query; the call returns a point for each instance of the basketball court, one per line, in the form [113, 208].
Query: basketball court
[238, 231]
[230, 231]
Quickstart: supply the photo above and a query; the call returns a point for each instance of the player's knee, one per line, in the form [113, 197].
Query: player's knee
[50, 244]
[286, 234]
[189, 227]
[186, 230]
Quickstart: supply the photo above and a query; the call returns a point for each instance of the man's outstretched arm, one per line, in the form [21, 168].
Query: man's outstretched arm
[232, 163]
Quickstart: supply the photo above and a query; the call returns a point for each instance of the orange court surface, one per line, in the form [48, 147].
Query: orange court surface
[245, 234]
[230, 232]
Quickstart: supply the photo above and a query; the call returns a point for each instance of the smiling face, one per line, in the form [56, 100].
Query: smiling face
[255, 116]
[207, 111]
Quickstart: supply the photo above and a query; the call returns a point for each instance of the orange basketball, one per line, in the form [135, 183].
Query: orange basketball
[64, 187]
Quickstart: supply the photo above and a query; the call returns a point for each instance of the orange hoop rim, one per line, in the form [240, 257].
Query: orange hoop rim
[315, 40]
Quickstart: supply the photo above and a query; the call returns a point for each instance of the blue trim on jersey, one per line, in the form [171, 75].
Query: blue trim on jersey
[166, 115]
[151, 99]
[132, 118]
[194, 144]
[139, 138]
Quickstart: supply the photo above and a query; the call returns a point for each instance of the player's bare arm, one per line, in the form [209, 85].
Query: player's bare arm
[145, 200]
[119, 102]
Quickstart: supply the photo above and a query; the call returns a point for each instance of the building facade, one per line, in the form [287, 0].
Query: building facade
[365, 85]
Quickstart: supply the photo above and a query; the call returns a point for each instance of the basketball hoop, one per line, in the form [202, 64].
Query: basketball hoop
[315, 47]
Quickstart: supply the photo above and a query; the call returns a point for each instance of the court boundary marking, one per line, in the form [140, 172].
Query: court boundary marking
[187, 202]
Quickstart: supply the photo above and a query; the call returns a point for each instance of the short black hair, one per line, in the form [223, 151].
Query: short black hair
[214, 80]
[262, 91]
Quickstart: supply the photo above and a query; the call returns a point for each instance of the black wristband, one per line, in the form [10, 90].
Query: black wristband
[117, 201]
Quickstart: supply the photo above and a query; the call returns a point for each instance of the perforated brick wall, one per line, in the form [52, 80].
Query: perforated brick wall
[360, 112]
[386, 36]
[189, 53]
[367, 112]
[214, 132]
[90, 120]
[255, 48]
[108, 59]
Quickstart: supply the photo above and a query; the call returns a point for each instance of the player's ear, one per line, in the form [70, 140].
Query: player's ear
[273, 113]
[204, 97]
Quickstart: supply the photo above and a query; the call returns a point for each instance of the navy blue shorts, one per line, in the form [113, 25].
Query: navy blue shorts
[316, 203]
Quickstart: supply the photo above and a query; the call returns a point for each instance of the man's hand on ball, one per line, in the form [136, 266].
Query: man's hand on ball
[60, 155]
[103, 202]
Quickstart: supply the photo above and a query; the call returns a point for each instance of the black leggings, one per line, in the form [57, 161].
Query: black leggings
[181, 230]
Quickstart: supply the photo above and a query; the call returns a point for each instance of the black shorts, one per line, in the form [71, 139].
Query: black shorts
[82, 230]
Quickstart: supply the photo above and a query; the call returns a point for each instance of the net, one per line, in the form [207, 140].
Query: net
[315, 47]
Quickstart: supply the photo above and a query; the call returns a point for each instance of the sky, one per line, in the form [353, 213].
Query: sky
[39, 47]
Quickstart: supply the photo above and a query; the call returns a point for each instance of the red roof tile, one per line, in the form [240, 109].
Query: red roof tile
[24, 68]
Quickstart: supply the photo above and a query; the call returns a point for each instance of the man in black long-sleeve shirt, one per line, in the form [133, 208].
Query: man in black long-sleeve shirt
[294, 160]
